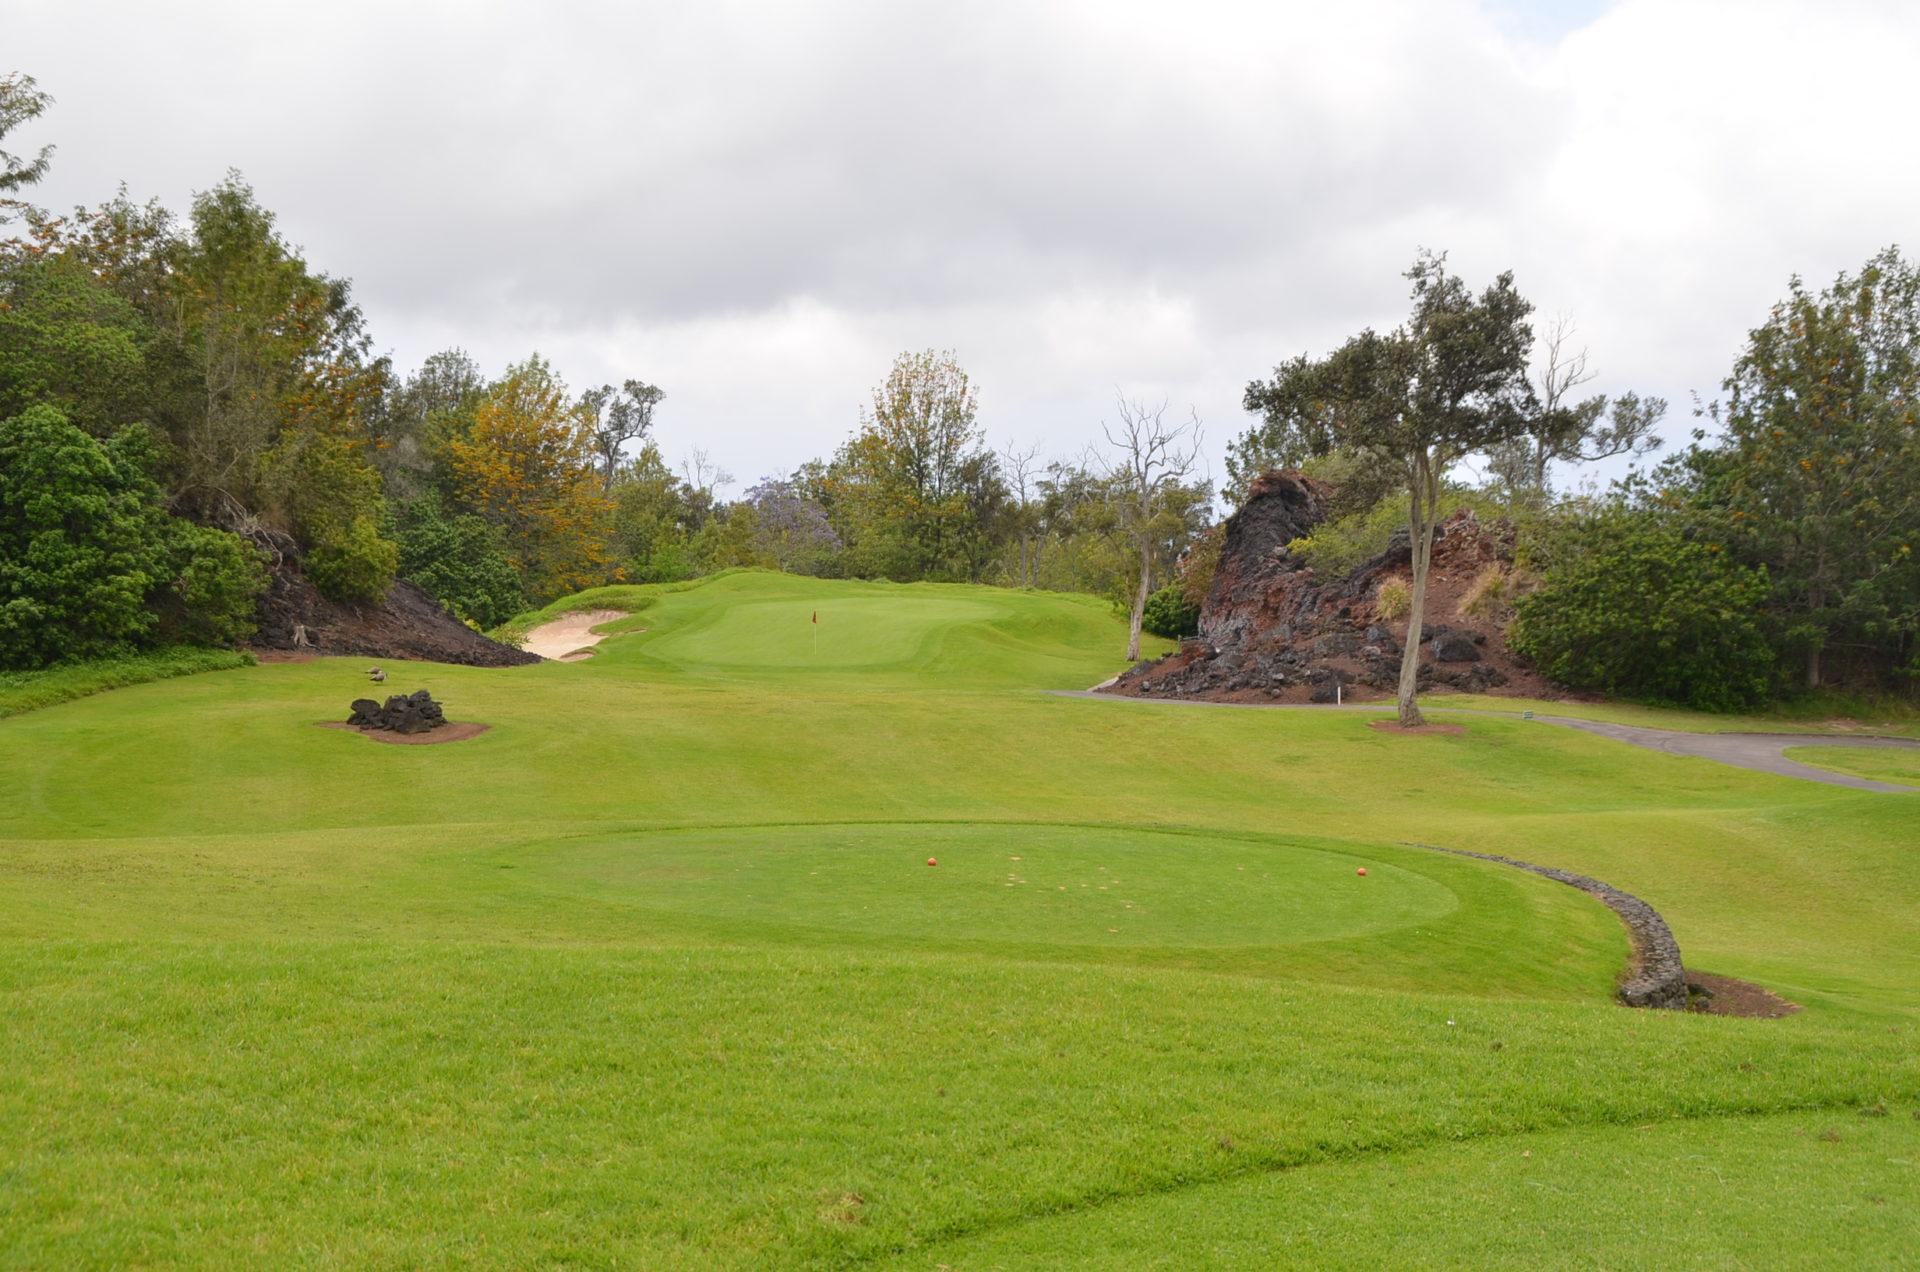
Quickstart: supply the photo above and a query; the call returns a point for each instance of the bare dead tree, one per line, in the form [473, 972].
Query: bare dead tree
[1563, 430]
[1021, 470]
[619, 416]
[703, 479]
[1149, 459]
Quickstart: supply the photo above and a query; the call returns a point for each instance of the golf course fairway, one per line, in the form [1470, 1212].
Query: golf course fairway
[805, 929]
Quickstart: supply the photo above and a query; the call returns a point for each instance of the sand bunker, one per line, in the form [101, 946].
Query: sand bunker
[568, 638]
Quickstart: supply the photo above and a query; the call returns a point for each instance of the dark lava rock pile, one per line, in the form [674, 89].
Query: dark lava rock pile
[414, 712]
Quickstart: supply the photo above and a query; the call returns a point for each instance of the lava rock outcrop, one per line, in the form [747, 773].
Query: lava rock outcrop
[1272, 629]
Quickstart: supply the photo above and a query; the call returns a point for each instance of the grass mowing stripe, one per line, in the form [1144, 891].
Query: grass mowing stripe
[628, 1093]
[1716, 1188]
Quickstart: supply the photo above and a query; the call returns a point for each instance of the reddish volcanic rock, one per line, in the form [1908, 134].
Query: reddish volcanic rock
[1273, 630]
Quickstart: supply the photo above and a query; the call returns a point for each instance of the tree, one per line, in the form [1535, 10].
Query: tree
[1822, 457]
[429, 409]
[791, 529]
[528, 468]
[701, 482]
[68, 341]
[457, 558]
[1564, 431]
[20, 101]
[1149, 460]
[902, 483]
[1021, 469]
[618, 416]
[318, 481]
[1296, 431]
[1449, 382]
[652, 523]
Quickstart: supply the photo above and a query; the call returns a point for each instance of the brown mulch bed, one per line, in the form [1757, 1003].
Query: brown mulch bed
[1394, 726]
[1740, 998]
[451, 731]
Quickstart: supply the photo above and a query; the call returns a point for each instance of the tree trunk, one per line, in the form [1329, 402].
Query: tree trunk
[1816, 601]
[1423, 494]
[1139, 602]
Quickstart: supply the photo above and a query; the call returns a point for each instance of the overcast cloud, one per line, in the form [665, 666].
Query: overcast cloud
[756, 205]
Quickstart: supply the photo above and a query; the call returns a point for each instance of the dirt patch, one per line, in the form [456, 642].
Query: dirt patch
[1739, 998]
[1394, 726]
[570, 637]
[451, 731]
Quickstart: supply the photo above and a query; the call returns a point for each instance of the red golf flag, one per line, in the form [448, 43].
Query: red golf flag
[816, 616]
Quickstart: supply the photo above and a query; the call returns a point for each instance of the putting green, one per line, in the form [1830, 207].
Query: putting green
[1054, 885]
[753, 627]
[843, 632]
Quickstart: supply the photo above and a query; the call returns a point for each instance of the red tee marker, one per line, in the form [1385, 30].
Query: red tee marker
[1361, 870]
[932, 862]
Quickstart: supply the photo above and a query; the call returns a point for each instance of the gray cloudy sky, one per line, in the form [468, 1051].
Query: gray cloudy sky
[755, 205]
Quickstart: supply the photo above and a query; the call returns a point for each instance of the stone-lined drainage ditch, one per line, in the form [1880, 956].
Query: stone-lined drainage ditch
[1657, 977]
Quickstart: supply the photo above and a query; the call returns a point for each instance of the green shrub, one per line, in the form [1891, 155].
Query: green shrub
[79, 543]
[1630, 605]
[1394, 599]
[1170, 614]
[91, 566]
[212, 597]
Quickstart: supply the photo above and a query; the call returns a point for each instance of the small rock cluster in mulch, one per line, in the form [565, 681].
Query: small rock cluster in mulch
[414, 712]
[1273, 630]
[405, 717]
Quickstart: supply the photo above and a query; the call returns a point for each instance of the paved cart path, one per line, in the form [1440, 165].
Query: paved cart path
[1763, 752]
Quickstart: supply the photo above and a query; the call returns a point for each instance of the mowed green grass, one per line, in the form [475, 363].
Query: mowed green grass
[1897, 766]
[654, 973]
